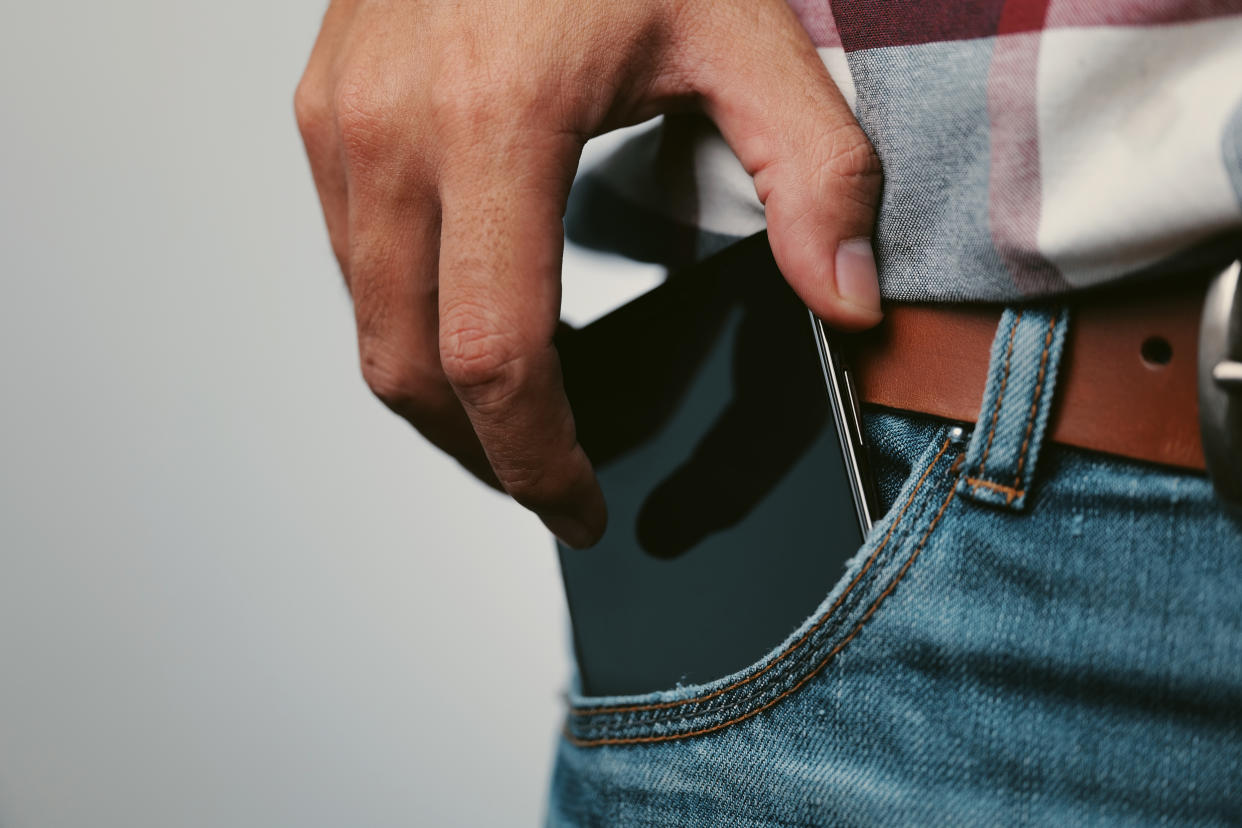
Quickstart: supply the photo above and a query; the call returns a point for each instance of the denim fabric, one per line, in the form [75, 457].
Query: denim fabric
[1000, 464]
[1069, 655]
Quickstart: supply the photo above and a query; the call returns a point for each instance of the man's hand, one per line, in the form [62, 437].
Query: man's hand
[444, 136]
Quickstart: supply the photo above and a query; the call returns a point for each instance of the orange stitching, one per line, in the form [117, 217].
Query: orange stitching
[814, 672]
[1010, 492]
[1000, 395]
[592, 711]
[1039, 387]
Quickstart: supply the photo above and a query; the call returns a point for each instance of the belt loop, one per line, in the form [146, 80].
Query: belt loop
[1022, 374]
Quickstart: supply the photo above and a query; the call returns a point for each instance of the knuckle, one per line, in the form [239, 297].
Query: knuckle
[849, 155]
[473, 93]
[849, 168]
[479, 359]
[537, 487]
[311, 109]
[540, 480]
[457, 103]
[397, 380]
[528, 485]
[366, 115]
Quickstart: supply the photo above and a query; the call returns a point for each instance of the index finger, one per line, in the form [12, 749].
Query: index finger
[500, 259]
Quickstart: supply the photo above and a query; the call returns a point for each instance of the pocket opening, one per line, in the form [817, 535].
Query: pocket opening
[870, 577]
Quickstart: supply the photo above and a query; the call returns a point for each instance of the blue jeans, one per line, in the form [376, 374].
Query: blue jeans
[1031, 634]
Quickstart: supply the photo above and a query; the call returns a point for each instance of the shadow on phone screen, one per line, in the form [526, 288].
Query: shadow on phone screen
[627, 379]
[704, 408]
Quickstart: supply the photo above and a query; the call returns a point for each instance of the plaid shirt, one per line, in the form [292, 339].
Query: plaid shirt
[1029, 148]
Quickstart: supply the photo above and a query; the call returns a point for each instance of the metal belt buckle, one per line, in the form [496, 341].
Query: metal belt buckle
[1220, 384]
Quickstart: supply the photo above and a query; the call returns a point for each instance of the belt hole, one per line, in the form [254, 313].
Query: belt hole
[1156, 351]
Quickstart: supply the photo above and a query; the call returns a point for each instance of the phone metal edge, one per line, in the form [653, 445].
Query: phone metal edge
[843, 400]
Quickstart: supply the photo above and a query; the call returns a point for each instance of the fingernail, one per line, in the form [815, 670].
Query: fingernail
[571, 531]
[857, 280]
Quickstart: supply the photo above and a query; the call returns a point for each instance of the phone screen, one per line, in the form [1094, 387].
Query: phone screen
[704, 408]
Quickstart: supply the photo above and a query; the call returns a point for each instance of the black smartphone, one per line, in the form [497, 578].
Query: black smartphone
[725, 431]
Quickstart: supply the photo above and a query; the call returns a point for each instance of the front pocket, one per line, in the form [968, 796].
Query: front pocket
[892, 547]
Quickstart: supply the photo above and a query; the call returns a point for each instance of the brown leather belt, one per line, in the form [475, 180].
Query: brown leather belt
[1128, 373]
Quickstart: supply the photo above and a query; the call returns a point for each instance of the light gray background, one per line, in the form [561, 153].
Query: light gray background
[234, 591]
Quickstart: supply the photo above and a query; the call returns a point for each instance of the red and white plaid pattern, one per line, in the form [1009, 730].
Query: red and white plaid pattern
[1030, 147]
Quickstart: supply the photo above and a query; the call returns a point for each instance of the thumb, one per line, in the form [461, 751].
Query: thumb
[813, 167]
